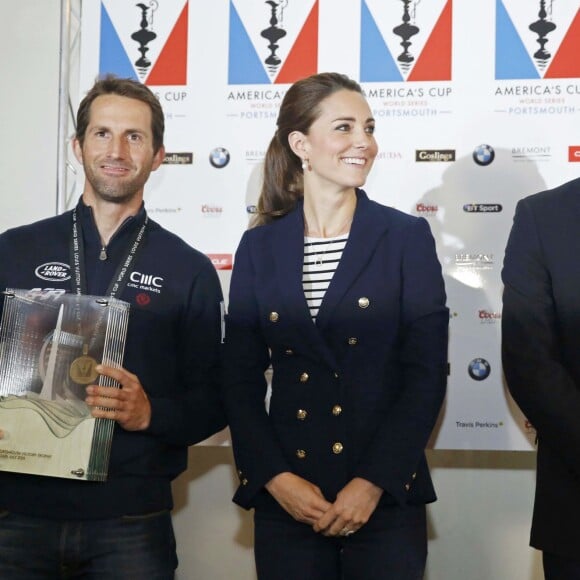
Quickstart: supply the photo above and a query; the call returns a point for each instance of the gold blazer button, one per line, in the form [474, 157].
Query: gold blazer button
[363, 302]
[304, 377]
[274, 316]
[300, 453]
[301, 414]
[337, 448]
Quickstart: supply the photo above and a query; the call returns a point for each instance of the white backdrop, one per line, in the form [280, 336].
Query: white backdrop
[479, 527]
[472, 123]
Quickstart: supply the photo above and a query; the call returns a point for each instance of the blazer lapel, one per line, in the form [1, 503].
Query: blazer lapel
[288, 253]
[365, 232]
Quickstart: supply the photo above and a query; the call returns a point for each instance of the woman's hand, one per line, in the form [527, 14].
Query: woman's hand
[354, 505]
[300, 498]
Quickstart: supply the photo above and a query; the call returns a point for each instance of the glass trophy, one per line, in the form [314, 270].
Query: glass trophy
[50, 344]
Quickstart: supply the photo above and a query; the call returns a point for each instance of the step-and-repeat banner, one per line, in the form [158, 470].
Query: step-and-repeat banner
[477, 105]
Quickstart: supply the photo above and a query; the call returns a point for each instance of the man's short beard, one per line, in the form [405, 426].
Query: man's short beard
[120, 199]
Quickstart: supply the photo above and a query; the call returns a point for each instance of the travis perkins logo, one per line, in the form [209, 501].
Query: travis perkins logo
[434, 155]
[482, 208]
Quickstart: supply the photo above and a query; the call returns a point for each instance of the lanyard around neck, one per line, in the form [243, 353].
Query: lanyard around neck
[77, 253]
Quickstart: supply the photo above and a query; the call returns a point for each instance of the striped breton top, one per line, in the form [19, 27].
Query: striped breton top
[321, 258]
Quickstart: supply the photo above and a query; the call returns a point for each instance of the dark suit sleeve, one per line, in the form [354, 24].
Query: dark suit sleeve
[257, 452]
[531, 354]
[397, 449]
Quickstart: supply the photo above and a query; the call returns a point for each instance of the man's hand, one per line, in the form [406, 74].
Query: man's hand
[300, 498]
[129, 405]
[354, 505]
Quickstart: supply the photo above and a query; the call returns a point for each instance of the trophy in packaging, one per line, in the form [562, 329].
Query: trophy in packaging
[50, 344]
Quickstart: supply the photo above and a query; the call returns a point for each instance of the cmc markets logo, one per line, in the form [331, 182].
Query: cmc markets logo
[272, 42]
[145, 41]
[219, 157]
[221, 261]
[478, 369]
[178, 159]
[483, 155]
[405, 41]
[437, 155]
[482, 207]
[535, 40]
[574, 153]
[488, 316]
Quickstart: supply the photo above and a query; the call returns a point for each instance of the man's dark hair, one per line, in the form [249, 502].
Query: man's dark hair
[112, 85]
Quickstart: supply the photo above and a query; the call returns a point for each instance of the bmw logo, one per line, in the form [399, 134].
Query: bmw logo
[478, 369]
[483, 154]
[219, 157]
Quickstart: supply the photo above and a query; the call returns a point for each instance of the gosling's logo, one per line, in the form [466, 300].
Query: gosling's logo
[53, 272]
[437, 155]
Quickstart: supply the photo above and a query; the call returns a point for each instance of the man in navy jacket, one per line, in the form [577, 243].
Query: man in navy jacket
[51, 527]
[541, 359]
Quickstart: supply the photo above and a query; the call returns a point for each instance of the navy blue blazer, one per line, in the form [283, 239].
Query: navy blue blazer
[541, 353]
[356, 394]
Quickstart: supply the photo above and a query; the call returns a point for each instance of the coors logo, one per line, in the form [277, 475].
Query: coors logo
[427, 209]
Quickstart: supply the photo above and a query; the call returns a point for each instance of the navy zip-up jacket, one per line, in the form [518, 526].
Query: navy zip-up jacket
[172, 345]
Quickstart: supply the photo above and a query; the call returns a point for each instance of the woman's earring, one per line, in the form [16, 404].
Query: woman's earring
[305, 164]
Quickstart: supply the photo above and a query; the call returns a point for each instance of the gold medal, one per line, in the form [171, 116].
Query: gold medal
[82, 369]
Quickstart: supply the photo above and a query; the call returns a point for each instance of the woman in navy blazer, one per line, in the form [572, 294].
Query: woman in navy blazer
[333, 462]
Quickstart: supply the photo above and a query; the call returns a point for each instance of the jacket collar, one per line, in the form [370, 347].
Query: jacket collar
[288, 248]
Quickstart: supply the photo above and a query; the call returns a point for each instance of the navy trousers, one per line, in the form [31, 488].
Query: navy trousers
[391, 546]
